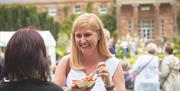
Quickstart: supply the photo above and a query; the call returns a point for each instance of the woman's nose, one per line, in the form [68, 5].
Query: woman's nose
[83, 39]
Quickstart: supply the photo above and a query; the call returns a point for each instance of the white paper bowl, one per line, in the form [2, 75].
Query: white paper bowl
[85, 83]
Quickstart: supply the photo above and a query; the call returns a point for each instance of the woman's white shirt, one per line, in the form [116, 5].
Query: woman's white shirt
[111, 63]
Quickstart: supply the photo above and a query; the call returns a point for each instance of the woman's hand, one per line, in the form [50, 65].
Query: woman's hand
[103, 72]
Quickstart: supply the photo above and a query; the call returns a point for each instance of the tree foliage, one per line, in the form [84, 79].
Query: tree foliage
[89, 7]
[109, 20]
[63, 42]
[178, 23]
[13, 17]
[65, 11]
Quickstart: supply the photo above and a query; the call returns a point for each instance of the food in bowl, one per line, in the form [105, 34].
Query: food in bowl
[85, 82]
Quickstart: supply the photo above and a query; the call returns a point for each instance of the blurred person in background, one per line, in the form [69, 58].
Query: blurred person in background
[26, 63]
[132, 47]
[124, 45]
[1, 66]
[146, 68]
[110, 42]
[169, 70]
[89, 54]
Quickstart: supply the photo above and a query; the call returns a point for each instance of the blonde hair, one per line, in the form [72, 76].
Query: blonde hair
[90, 21]
[151, 48]
[107, 35]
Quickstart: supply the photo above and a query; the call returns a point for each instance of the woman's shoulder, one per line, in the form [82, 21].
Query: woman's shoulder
[64, 60]
[29, 86]
[112, 60]
[149, 56]
[66, 57]
[112, 64]
[52, 87]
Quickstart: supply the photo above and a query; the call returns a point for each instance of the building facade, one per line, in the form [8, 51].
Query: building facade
[64, 8]
[148, 20]
[61, 9]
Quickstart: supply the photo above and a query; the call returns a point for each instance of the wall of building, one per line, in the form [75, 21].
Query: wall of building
[70, 4]
[162, 14]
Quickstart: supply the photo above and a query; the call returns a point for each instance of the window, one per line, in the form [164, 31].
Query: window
[103, 9]
[129, 26]
[77, 9]
[146, 29]
[52, 11]
[145, 8]
[162, 28]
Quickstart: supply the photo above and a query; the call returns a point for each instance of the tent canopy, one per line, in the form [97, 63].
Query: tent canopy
[47, 36]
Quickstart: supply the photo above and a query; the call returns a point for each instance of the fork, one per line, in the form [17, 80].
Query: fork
[94, 75]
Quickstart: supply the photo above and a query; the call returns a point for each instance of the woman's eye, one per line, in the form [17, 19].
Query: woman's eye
[78, 35]
[87, 34]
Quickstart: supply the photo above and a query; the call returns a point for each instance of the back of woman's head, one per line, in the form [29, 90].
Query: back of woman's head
[169, 48]
[25, 56]
[151, 48]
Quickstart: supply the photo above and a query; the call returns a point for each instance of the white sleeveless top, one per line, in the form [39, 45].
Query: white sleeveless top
[111, 63]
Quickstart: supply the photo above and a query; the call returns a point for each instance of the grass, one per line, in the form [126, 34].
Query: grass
[129, 90]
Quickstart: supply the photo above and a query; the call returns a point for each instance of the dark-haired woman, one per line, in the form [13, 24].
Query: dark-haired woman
[169, 70]
[26, 67]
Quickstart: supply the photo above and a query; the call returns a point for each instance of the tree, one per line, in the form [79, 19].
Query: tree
[109, 20]
[89, 7]
[65, 11]
[63, 41]
[13, 17]
[178, 23]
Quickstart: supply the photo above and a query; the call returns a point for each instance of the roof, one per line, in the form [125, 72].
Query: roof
[47, 1]
[47, 36]
[28, 1]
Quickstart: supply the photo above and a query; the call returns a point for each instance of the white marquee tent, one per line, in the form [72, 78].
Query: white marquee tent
[47, 36]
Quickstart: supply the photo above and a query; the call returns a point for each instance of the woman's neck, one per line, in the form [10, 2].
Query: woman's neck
[92, 59]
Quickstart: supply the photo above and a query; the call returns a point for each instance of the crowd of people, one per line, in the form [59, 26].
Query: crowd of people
[25, 66]
[149, 73]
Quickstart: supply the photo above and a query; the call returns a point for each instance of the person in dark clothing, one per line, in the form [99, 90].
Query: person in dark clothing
[26, 64]
[1, 68]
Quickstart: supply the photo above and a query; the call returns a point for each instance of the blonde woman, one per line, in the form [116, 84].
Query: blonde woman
[146, 68]
[89, 54]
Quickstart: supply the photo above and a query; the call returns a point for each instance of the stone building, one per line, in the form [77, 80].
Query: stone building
[148, 20]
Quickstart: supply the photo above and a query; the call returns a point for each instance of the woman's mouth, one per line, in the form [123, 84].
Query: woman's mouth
[85, 45]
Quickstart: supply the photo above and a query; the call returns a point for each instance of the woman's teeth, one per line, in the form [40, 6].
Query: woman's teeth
[84, 45]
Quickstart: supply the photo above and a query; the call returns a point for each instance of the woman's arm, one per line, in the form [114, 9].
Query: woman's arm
[118, 79]
[60, 73]
[164, 70]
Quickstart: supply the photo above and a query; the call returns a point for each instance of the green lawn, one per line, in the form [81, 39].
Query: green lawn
[129, 90]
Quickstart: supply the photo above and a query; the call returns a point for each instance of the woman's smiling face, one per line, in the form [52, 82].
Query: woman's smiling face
[86, 39]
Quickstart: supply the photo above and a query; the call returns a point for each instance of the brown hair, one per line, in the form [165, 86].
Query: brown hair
[169, 48]
[25, 56]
